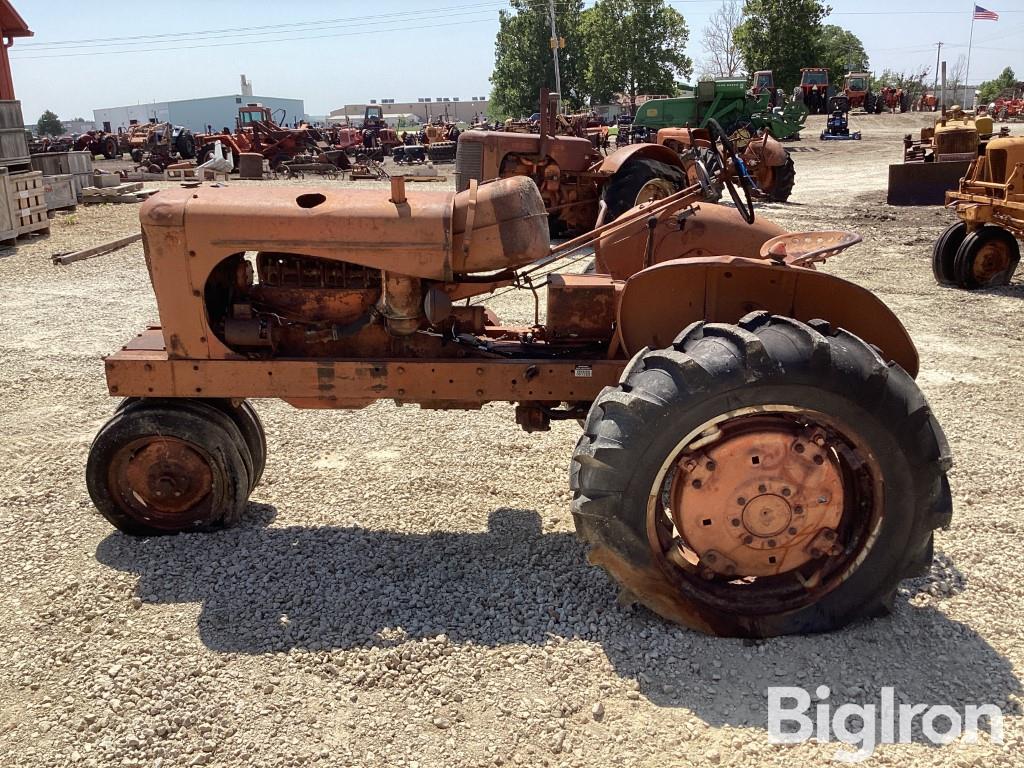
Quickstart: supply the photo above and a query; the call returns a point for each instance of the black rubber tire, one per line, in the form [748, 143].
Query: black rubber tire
[944, 252]
[110, 149]
[963, 263]
[137, 155]
[621, 191]
[712, 369]
[249, 424]
[869, 102]
[242, 423]
[173, 419]
[785, 178]
[185, 143]
[442, 151]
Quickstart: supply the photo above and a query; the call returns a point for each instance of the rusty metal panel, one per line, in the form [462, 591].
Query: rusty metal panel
[581, 307]
[144, 372]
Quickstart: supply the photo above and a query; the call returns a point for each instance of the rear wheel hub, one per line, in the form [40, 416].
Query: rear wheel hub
[759, 501]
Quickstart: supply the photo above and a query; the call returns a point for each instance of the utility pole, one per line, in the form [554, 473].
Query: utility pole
[938, 53]
[555, 43]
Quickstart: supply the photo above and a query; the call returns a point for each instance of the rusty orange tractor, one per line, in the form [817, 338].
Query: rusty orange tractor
[756, 458]
[580, 186]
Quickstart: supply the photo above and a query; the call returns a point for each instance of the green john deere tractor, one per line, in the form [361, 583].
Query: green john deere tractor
[728, 102]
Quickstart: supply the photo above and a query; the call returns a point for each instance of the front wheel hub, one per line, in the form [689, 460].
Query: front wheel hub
[760, 502]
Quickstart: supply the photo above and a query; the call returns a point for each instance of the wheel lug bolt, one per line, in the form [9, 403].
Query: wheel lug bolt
[798, 509]
[711, 466]
[741, 501]
[748, 539]
[762, 488]
[799, 447]
[771, 542]
[786, 491]
[819, 459]
[792, 531]
[690, 464]
[736, 522]
[696, 483]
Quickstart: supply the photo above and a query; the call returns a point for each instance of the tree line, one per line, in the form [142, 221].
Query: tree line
[631, 47]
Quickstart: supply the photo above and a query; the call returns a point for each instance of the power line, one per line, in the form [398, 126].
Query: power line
[229, 32]
[245, 42]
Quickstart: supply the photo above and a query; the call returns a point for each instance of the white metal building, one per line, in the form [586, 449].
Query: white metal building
[197, 114]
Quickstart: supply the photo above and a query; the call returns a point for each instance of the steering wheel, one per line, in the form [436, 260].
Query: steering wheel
[746, 208]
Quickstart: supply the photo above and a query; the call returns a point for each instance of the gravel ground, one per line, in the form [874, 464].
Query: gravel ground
[407, 590]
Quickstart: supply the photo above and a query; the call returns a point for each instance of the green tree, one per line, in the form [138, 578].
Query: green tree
[523, 63]
[841, 52]
[634, 47]
[49, 124]
[783, 36]
[990, 89]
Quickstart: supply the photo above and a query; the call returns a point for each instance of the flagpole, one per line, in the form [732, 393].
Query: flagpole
[967, 76]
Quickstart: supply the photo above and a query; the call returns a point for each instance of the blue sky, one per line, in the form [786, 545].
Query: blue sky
[332, 53]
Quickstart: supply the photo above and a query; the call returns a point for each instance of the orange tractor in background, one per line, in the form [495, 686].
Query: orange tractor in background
[755, 456]
[257, 131]
[857, 89]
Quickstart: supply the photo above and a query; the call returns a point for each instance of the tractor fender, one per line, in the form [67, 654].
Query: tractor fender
[711, 230]
[660, 301]
[613, 162]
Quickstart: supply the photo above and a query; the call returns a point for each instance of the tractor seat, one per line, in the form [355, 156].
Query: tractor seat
[801, 249]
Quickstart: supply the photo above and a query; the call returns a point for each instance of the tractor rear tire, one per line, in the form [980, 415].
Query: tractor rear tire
[162, 467]
[640, 179]
[944, 252]
[784, 177]
[110, 148]
[679, 412]
[986, 258]
[185, 143]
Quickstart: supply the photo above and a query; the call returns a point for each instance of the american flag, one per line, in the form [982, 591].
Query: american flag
[982, 13]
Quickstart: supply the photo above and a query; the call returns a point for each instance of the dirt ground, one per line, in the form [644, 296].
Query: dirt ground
[406, 588]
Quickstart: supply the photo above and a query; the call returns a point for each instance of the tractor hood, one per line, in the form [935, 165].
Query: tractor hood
[430, 235]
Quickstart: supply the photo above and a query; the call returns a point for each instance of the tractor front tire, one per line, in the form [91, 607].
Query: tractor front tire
[163, 466]
[639, 180]
[987, 257]
[944, 252]
[701, 483]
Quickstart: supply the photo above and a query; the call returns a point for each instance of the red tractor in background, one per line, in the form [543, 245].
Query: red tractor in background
[373, 138]
[764, 82]
[894, 99]
[98, 143]
[814, 89]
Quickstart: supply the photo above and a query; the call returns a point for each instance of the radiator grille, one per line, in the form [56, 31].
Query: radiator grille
[468, 163]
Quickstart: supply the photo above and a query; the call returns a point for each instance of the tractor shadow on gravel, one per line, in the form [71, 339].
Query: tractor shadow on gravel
[265, 590]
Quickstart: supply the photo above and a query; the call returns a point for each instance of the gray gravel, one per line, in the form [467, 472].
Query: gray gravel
[406, 589]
